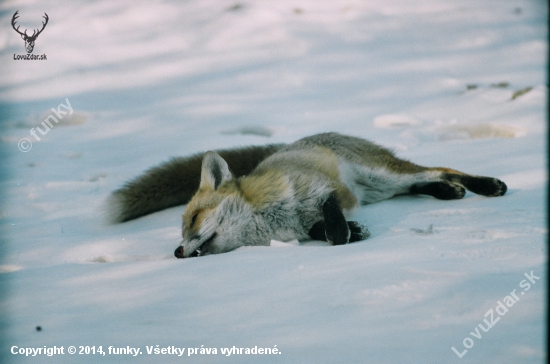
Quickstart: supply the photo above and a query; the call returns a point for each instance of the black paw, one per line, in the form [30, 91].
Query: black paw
[358, 232]
[317, 231]
[336, 227]
[500, 188]
[440, 190]
[486, 186]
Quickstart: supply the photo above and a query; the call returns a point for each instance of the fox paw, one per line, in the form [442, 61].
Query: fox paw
[499, 188]
[357, 231]
[486, 186]
[442, 190]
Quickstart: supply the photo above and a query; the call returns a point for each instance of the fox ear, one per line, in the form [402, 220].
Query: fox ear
[215, 171]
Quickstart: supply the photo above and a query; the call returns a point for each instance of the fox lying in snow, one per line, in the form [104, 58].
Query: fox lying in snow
[248, 196]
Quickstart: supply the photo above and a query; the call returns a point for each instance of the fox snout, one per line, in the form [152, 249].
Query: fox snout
[179, 252]
[202, 248]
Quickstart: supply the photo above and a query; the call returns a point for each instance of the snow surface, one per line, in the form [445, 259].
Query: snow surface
[459, 83]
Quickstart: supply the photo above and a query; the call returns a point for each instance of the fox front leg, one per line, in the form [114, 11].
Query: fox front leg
[334, 228]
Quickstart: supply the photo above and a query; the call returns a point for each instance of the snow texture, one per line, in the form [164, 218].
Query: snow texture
[460, 84]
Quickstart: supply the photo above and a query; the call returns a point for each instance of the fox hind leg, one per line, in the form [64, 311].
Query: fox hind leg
[485, 186]
[453, 185]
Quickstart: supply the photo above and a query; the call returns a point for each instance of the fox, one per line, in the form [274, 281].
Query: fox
[301, 191]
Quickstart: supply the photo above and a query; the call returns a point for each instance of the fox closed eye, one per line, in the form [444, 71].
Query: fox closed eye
[193, 219]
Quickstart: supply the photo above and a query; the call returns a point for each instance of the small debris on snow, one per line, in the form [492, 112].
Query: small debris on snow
[428, 231]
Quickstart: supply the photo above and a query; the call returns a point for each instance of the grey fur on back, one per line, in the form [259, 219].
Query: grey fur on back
[356, 150]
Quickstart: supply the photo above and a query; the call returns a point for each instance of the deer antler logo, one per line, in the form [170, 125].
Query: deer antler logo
[29, 40]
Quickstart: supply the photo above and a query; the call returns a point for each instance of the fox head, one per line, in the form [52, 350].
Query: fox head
[217, 219]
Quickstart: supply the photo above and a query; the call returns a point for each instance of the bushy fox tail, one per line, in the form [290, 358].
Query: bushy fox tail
[174, 182]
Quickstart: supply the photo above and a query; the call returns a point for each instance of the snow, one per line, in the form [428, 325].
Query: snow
[460, 84]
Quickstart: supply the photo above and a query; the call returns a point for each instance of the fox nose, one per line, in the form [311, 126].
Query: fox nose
[179, 252]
